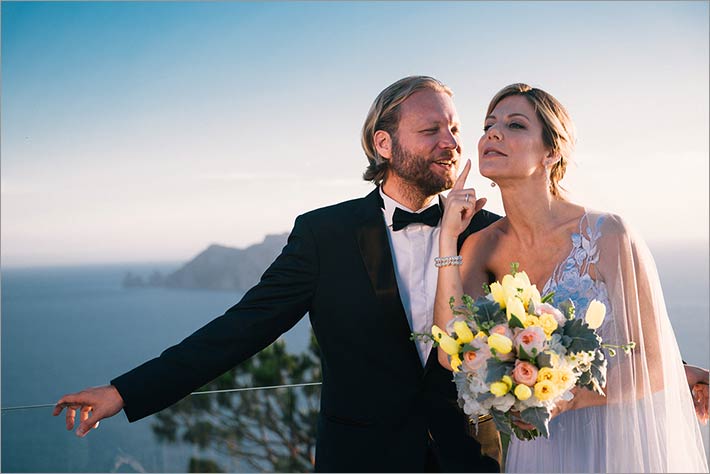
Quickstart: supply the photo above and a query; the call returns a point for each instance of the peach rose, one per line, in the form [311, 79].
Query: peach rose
[503, 330]
[525, 373]
[474, 360]
[531, 339]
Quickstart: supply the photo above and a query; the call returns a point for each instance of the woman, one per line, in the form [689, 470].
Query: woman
[645, 423]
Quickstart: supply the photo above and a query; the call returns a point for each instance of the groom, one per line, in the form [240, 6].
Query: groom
[364, 271]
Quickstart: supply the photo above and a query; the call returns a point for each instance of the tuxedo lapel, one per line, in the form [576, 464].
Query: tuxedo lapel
[376, 253]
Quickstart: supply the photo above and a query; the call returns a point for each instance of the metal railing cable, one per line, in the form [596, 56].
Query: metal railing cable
[206, 392]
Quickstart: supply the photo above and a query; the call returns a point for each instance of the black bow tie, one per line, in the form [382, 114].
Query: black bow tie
[402, 218]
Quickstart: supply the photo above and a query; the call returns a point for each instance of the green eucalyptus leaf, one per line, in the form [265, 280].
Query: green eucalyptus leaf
[539, 417]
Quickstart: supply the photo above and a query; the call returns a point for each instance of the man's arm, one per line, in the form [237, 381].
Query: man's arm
[265, 312]
[698, 379]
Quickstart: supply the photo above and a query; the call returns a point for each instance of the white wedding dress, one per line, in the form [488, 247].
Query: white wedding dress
[648, 423]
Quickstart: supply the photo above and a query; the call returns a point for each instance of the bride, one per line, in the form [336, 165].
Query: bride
[646, 421]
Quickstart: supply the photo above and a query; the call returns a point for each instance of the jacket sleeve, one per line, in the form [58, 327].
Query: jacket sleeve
[273, 306]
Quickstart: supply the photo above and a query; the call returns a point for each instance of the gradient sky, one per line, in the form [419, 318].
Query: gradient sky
[147, 131]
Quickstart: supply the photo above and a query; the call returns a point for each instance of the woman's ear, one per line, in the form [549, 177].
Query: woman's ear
[551, 158]
[383, 144]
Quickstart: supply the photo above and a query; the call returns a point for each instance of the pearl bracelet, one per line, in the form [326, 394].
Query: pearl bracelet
[447, 261]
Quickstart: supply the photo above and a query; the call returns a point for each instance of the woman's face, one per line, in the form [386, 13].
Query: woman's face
[511, 146]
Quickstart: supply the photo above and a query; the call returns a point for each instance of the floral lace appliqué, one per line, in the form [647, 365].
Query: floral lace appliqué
[571, 279]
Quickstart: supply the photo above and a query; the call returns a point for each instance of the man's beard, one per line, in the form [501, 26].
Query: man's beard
[416, 169]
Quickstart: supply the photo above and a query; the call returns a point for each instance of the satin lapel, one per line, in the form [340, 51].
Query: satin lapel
[377, 255]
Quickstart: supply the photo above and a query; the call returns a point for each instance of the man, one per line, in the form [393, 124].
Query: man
[367, 280]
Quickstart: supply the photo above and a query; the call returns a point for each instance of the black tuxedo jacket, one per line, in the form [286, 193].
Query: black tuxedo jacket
[380, 409]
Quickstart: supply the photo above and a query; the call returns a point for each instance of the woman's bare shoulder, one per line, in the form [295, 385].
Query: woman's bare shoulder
[484, 239]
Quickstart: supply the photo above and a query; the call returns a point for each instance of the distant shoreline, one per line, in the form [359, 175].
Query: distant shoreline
[656, 246]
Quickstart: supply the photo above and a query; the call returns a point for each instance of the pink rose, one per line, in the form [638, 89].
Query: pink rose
[531, 340]
[474, 360]
[525, 373]
[503, 330]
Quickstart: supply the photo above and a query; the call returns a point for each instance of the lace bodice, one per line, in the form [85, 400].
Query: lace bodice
[571, 278]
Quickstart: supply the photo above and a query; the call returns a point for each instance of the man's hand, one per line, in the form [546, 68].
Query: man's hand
[698, 383]
[94, 404]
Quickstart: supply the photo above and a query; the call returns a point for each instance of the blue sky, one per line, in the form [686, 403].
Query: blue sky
[146, 131]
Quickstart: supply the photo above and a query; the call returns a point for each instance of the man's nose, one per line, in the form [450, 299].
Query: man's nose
[449, 141]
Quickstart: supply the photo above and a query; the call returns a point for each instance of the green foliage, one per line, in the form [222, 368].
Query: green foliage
[544, 359]
[539, 417]
[488, 314]
[501, 420]
[567, 309]
[497, 369]
[548, 298]
[514, 322]
[273, 430]
[598, 371]
[203, 465]
[583, 339]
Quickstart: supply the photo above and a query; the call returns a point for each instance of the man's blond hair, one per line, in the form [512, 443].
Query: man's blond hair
[384, 115]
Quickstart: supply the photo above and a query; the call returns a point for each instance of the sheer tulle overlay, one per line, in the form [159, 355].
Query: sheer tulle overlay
[648, 423]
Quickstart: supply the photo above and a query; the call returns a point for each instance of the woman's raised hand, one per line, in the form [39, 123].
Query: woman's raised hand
[460, 207]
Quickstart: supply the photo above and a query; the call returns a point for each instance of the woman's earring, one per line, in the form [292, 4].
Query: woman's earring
[493, 185]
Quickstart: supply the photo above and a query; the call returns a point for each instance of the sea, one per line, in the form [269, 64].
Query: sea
[67, 328]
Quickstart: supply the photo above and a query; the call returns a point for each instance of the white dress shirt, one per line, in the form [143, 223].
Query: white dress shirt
[413, 252]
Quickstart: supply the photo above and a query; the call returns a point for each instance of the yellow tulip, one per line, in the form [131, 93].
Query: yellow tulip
[515, 307]
[545, 390]
[498, 294]
[522, 283]
[436, 332]
[449, 344]
[510, 288]
[455, 362]
[463, 332]
[535, 295]
[500, 343]
[522, 392]
[595, 314]
[508, 381]
[499, 389]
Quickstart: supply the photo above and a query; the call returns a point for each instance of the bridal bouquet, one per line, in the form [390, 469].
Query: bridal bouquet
[515, 355]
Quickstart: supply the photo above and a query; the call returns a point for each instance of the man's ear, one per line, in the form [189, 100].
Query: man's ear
[383, 144]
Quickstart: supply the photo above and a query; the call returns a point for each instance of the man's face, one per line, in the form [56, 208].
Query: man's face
[426, 147]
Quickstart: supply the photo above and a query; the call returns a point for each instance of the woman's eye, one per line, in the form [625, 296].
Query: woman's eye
[516, 125]
[486, 127]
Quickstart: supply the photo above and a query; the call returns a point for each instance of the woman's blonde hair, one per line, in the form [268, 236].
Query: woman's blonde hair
[384, 115]
[558, 133]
